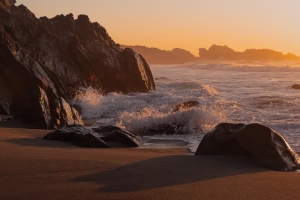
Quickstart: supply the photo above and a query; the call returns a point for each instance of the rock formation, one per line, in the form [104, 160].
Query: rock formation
[61, 54]
[158, 56]
[224, 52]
[31, 105]
[118, 137]
[101, 137]
[173, 127]
[80, 135]
[256, 141]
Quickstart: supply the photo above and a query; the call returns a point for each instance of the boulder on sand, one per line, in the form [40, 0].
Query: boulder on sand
[101, 137]
[256, 141]
[79, 134]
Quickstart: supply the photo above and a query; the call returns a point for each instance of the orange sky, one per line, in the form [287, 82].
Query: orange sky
[189, 24]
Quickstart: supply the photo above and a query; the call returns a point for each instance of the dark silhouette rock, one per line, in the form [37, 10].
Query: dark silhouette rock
[296, 86]
[158, 56]
[136, 72]
[61, 54]
[78, 134]
[103, 136]
[257, 141]
[185, 105]
[224, 52]
[31, 106]
[216, 52]
[117, 137]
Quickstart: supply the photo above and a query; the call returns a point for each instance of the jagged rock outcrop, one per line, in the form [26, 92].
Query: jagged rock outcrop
[61, 54]
[256, 141]
[31, 105]
[224, 52]
[139, 73]
[102, 137]
[63, 113]
[158, 56]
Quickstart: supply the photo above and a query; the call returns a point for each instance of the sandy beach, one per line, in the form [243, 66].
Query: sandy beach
[32, 168]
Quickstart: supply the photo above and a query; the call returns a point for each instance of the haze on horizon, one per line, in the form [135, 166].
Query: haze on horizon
[188, 24]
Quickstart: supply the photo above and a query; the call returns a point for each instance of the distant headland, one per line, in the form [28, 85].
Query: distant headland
[224, 52]
[215, 52]
[158, 56]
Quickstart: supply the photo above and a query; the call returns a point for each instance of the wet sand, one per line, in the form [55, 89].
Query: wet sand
[32, 168]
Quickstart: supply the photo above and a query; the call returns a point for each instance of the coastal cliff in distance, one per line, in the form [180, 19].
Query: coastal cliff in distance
[57, 56]
[224, 52]
[158, 56]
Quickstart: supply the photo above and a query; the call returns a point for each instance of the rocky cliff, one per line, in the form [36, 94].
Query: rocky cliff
[158, 56]
[61, 54]
[224, 52]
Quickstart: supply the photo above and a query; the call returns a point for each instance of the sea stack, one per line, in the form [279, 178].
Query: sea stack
[61, 54]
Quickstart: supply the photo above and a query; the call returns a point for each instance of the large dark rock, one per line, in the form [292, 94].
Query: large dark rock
[257, 141]
[31, 106]
[78, 134]
[62, 54]
[296, 86]
[103, 136]
[137, 73]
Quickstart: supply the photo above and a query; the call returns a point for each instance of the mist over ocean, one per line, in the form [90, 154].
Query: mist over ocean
[228, 91]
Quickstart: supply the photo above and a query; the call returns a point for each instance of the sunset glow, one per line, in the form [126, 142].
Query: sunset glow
[188, 24]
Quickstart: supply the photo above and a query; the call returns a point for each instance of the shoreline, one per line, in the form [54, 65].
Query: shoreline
[39, 169]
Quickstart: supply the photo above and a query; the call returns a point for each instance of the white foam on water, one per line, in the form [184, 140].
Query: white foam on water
[227, 91]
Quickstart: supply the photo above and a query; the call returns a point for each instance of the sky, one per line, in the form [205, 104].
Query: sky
[188, 24]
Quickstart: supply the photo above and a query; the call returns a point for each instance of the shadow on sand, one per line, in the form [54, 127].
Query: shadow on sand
[169, 171]
[39, 142]
[16, 124]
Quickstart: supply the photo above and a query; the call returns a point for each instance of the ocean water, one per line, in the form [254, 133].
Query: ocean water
[238, 92]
